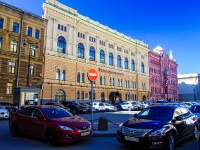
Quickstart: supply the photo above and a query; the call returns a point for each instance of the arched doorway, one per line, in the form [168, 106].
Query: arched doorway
[102, 97]
[60, 95]
[115, 97]
[144, 98]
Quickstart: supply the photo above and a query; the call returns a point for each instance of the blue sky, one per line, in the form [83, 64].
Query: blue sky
[172, 24]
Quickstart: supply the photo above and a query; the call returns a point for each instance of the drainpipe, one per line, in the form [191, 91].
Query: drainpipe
[19, 52]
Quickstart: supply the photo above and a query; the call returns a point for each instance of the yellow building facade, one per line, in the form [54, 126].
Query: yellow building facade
[75, 44]
[21, 52]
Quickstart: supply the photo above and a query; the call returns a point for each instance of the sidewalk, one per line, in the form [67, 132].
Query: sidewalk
[111, 132]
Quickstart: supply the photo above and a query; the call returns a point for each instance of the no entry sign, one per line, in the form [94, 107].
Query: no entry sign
[92, 74]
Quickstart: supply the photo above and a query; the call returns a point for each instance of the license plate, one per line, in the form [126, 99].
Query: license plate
[129, 138]
[85, 133]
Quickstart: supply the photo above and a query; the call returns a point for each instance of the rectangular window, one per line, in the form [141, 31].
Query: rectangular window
[11, 67]
[13, 46]
[37, 34]
[32, 49]
[1, 41]
[1, 23]
[9, 88]
[31, 70]
[15, 27]
[29, 31]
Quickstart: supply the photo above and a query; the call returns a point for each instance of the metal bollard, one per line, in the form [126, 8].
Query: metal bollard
[103, 124]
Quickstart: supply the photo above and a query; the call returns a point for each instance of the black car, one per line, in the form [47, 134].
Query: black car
[159, 126]
[58, 104]
[75, 107]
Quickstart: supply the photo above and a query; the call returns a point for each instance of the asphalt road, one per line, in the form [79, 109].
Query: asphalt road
[7, 142]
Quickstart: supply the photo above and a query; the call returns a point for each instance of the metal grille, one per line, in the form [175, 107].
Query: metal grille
[83, 127]
[135, 132]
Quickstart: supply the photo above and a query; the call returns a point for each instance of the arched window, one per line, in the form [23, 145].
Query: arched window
[104, 80]
[102, 56]
[63, 75]
[78, 95]
[61, 44]
[132, 65]
[82, 95]
[111, 59]
[119, 61]
[83, 78]
[60, 95]
[58, 74]
[126, 63]
[101, 80]
[142, 67]
[78, 77]
[81, 49]
[92, 53]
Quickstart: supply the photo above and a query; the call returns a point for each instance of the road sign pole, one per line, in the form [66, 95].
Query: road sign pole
[92, 104]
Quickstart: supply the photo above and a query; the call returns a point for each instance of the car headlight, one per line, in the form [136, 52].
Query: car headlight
[156, 135]
[66, 128]
[120, 126]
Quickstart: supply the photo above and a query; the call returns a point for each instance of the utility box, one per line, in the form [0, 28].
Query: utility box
[103, 124]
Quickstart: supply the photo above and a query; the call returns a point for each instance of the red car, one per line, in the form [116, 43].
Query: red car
[51, 123]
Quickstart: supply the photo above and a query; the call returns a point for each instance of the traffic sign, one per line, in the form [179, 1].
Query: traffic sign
[92, 74]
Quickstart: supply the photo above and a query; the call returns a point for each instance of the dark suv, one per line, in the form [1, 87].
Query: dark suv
[159, 126]
[75, 107]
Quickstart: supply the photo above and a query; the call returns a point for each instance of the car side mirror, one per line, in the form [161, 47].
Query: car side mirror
[178, 118]
[134, 115]
[40, 117]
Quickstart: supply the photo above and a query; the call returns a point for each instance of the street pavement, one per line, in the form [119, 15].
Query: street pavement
[106, 124]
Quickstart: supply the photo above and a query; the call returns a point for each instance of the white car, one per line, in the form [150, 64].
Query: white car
[110, 107]
[4, 113]
[99, 106]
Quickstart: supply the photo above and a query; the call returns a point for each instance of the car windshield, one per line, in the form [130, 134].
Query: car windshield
[56, 113]
[195, 109]
[156, 113]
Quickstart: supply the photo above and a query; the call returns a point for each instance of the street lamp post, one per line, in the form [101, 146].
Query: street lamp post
[166, 73]
[33, 47]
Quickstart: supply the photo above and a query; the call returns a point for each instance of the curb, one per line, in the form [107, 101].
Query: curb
[104, 135]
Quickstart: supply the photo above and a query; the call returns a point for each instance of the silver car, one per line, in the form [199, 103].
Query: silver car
[4, 113]
[129, 106]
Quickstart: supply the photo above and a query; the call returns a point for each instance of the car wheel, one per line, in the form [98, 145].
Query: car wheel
[195, 132]
[14, 130]
[170, 142]
[74, 111]
[51, 137]
[129, 108]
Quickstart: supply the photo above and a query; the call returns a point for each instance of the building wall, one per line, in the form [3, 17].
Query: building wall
[122, 45]
[163, 75]
[18, 77]
[188, 87]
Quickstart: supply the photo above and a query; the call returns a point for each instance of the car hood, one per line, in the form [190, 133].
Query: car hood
[198, 114]
[72, 120]
[145, 123]
[3, 110]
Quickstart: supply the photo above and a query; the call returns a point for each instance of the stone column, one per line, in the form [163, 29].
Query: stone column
[87, 46]
[97, 55]
[54, 38]
[107, 54]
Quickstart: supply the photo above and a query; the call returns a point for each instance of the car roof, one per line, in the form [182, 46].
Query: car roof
[42, 106]
[165, 106]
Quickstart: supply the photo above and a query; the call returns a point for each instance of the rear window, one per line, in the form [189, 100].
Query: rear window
[56, 113]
